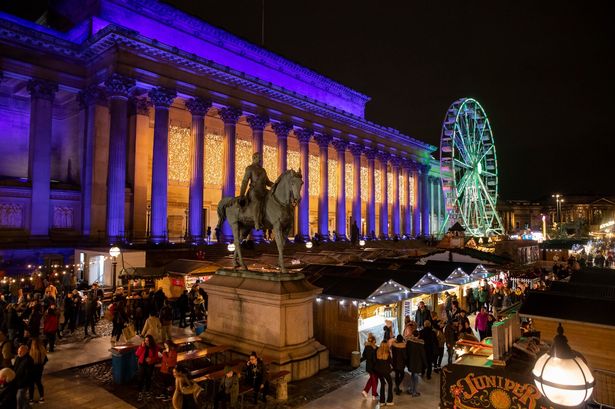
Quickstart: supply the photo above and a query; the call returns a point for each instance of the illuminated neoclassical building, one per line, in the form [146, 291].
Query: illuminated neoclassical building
[135, 120]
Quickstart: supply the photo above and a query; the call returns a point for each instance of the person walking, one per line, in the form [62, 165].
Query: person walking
[369, 356]
[417, 361]
[147, 356]
[399, 361]
[441, 339]
[39, 359]
[208, 234]
[430, 344]
[383, 369]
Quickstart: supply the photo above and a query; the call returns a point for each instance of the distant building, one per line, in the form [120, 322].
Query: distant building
[580, 214]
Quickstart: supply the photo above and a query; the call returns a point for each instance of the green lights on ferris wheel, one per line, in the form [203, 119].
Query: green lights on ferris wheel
[468, 168]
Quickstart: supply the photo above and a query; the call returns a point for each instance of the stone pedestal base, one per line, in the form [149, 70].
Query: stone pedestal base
[269, 313]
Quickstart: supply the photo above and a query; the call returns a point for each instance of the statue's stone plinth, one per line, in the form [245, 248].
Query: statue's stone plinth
[270, 313]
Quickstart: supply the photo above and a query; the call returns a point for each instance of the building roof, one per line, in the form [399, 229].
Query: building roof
[589, 290]
[569, 307]
[597, 276]
[457, 227]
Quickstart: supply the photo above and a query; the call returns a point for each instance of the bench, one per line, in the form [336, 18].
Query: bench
[202, 353]
[186, 340]
[280, 381]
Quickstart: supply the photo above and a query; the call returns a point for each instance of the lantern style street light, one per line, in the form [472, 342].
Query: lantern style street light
[308, 245]
[361, 242]
[114, 252]
[231, 247]
[562, 375]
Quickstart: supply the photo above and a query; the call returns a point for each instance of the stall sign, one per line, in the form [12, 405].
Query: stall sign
[488, 388]
[177, 282]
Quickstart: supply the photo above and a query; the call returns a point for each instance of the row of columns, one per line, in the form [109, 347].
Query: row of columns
[119, 89]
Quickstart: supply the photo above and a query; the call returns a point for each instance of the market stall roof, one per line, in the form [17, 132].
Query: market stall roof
[569, 307]
[589, 290]
[479, 273]
[430, 284]
[345, 287]
[142, 273]
[458, 277]
[391, 292]
[604, 276]
[186, 266]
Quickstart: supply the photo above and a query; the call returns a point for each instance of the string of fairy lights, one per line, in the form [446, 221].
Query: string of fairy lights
[179, 165]
[40, 270]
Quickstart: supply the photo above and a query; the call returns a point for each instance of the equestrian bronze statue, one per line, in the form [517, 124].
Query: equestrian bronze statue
[261, 208]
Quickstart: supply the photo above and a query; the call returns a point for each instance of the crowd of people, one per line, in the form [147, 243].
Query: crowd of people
[420, 348]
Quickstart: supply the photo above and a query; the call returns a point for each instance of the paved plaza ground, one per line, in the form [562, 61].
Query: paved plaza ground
[78, 375]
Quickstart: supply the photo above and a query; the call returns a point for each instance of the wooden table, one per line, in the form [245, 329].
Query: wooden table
[187, 340]
[202, 353]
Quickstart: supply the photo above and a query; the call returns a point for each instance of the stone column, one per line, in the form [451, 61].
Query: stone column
[370, 154]
[304, 136]
[198, 107]
[323, 142]
[230, 116]
[281, 130]
[426, 200]
[340, 208]
[407, 208]
[162, 99]
[257, 124]
[416, 210]
[395, 164]
[118, 89]
[356, 151]
[42, 93]
[87, 101]
[383, 157]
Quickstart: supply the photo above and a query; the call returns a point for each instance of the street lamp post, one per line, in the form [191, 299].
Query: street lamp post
[114, 252]
[559, 199]
[562, 376]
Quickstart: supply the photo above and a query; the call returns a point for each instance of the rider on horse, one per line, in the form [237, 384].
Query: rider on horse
[257, 176]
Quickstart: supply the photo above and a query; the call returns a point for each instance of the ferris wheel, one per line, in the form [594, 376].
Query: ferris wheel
[469, 171]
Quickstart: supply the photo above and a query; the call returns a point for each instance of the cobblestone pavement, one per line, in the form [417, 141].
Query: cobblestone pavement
[103, 329]
[299, 393]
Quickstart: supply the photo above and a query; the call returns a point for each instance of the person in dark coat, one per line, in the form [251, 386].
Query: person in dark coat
[428, 335]
[383, 368]
[90, 314]
[8, 389]
[451, 334]
[256, 376]
[183, 305]
[399, 361]
[417, 361]
[369, 356]
[23, 375]
[422, 314]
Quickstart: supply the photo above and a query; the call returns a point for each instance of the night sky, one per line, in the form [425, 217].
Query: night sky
[543, 71]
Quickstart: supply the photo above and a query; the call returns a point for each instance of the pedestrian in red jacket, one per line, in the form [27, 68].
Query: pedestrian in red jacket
[147, 356]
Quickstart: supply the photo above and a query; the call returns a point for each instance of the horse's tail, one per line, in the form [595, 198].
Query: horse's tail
[222, 205]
